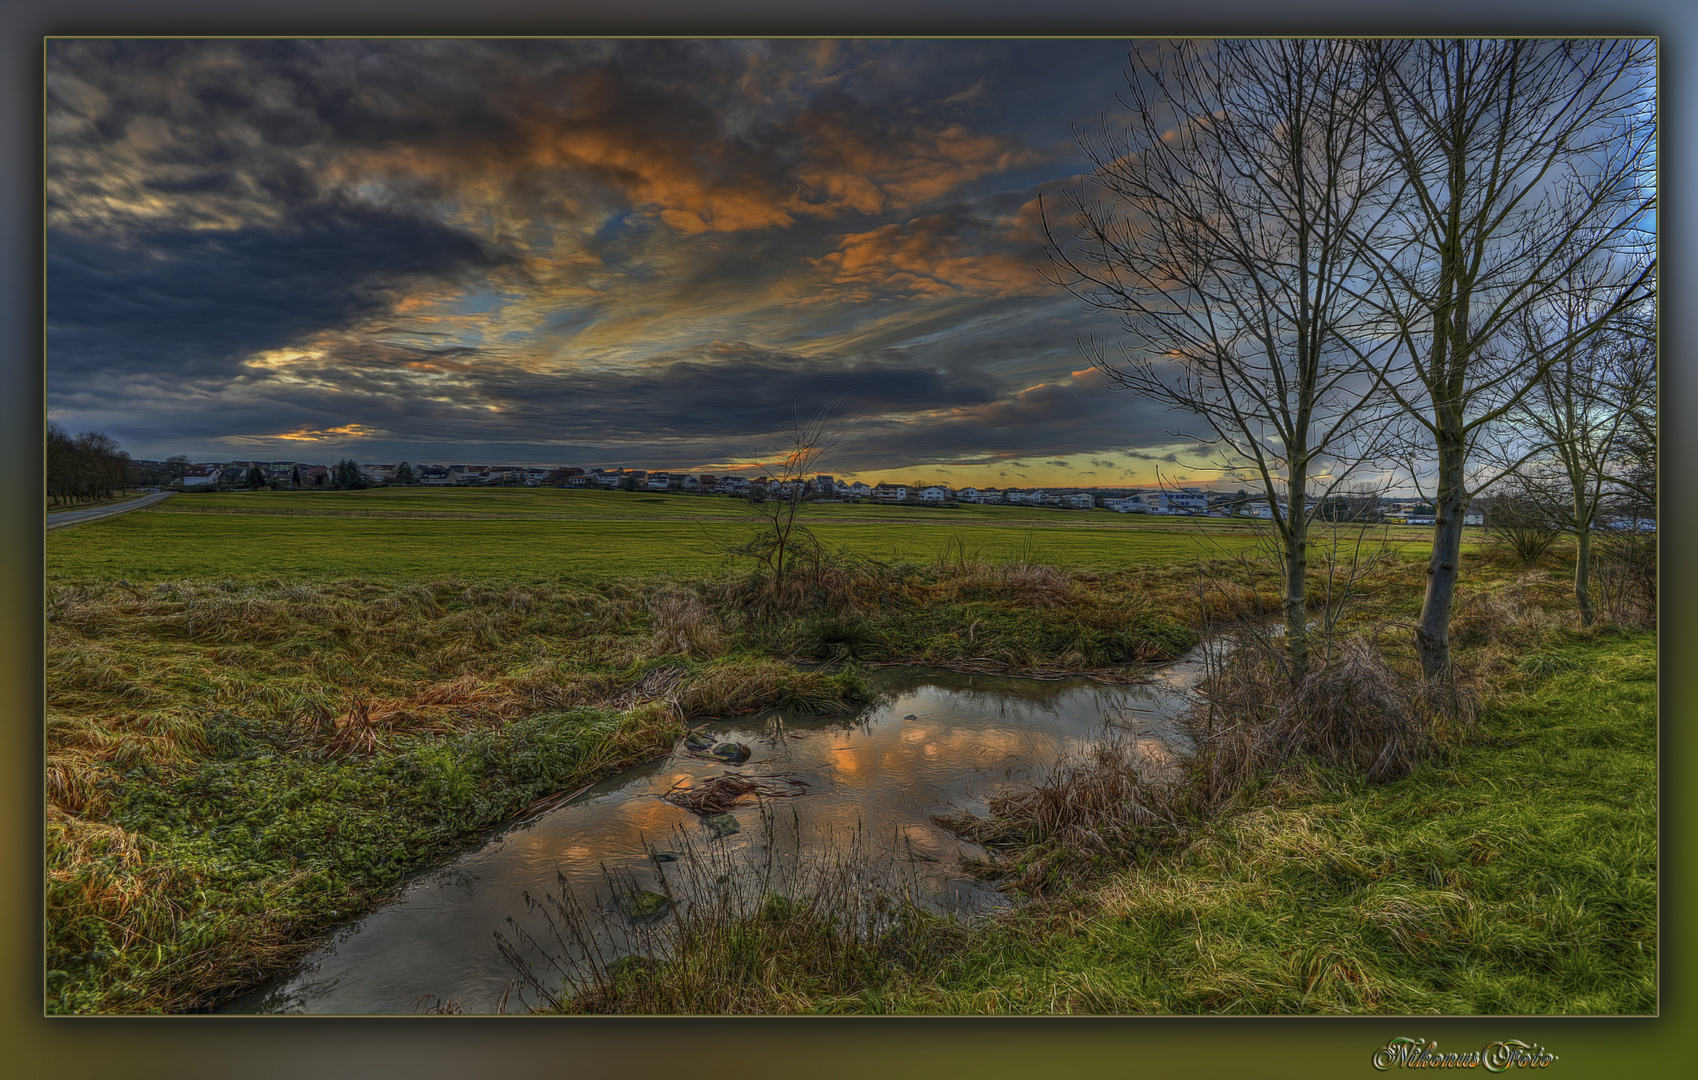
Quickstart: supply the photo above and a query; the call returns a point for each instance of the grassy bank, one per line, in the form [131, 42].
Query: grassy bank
[1511, 870]
[232, 767]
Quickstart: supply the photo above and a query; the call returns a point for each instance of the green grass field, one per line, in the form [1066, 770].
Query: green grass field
[531, 534]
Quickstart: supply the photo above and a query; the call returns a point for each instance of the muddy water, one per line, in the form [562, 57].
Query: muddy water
[933, 742]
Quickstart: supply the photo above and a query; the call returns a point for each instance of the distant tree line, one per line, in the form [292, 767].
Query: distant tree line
[86, 467]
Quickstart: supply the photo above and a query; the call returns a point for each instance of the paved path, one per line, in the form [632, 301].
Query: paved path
[94, 513]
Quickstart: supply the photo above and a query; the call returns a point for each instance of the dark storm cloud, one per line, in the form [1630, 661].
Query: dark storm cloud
[638, 248]
[194, 302]
[713, 135]
[1080, 414]
[727, 391]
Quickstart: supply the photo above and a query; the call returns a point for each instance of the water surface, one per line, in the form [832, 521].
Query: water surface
[933, 742]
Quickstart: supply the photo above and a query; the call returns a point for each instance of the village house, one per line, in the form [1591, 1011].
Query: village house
[890, 493]
[935, 494]
[1080, 500]
[967, 494]
[1189, 501]
[201, 475]
[659, 481]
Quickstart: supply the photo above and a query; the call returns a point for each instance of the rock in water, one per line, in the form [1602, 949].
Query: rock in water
[666, 856]
[723, 824]
[731, 753]
[645, 903]
[698, 742]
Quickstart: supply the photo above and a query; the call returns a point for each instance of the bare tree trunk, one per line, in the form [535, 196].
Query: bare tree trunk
[1296, 595]
[1432, 633]
[1583, 572]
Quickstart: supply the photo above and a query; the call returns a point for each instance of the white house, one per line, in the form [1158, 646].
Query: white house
[934, 494]
[890, 493]
[198, 475]
[1081, 500]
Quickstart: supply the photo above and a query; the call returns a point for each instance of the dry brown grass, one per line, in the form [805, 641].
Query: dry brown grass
[684, 624]
[1121, 801]
[1022, 581]
[747, 685]
[1356, 712]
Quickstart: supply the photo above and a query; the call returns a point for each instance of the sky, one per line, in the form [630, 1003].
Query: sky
[649, 254]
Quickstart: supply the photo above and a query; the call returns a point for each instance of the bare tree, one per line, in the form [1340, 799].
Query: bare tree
[1227, 223]
[1519, 516]
[1583, 410]
[1519, 161]
[789, 459]
[1632, 386]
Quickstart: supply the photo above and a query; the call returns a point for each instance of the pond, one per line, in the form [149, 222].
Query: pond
[932, 742]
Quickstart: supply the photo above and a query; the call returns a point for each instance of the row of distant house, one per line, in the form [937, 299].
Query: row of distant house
[1189, 501]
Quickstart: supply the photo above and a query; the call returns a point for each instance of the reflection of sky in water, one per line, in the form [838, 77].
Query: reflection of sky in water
[876, 776]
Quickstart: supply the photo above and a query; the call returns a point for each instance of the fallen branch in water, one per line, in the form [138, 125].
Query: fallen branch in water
[728, 790]
[549, 802]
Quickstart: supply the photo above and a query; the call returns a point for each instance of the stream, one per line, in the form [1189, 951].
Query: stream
[932, 742]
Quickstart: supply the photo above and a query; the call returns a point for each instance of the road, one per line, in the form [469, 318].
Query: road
[94, 513]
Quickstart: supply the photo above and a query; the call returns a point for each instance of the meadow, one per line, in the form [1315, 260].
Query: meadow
[524, 534]
[264, 709]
